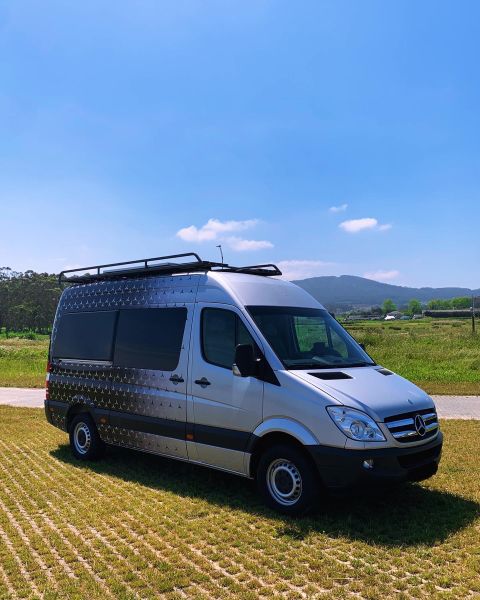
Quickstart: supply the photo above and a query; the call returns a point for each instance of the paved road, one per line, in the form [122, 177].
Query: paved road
[32, 398]
[458, 407]
[449, 407]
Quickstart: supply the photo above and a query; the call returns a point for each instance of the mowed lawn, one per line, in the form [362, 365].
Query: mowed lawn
[441, 356]
[137, 526]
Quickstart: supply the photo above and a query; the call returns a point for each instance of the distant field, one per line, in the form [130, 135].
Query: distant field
[440, 355]
[137, 526]
[23, 362]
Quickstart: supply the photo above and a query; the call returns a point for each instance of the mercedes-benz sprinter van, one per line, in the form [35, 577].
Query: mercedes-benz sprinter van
[235, 369]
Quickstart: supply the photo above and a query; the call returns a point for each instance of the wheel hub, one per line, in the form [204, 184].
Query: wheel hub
[284, 482]
[82, 438]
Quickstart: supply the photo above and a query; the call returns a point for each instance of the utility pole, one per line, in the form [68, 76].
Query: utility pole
[221, 251]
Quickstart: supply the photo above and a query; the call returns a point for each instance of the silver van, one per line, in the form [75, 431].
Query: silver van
[232, 368]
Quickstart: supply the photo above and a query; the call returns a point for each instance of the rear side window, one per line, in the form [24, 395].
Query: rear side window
[222, 331]
[85, 336]
[150, 338]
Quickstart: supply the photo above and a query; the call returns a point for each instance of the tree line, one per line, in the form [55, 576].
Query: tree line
[27, 300]
[415, 307]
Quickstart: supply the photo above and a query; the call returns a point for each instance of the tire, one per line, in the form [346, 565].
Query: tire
[287, 480]
[85, 442]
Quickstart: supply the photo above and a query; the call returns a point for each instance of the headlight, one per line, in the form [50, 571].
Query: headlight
[355, 424]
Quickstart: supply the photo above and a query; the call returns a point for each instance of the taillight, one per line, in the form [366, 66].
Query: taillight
[47, 381]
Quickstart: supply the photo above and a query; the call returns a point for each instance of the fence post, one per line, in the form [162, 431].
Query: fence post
[473, 314]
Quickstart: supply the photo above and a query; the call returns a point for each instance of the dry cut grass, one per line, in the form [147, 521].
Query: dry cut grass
[137, 526]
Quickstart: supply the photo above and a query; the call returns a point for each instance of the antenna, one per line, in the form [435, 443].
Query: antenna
[221, 251]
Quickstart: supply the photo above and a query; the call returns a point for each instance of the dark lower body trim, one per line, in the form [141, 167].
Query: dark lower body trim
[231, 439]
[56, 413]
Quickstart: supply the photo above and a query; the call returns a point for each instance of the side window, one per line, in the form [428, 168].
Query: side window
[243, 337]
[150, 338]
[222, 331]
[85, 336]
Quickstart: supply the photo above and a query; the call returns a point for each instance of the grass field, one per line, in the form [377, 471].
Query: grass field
[23, 362]
[134, 525]
[442, 356]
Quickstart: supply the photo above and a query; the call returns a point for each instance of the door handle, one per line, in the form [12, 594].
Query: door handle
[203, 382]
[176, 379]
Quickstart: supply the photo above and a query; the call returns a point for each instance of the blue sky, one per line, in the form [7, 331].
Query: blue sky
[132, 129]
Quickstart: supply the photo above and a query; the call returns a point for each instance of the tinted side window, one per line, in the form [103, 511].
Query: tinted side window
[85, 336]
[150, 338]
[222, 331]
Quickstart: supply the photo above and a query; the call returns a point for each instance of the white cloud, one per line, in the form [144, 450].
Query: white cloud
[240, 244]
[192, 234]
[212, 229]
[356, 225]
[338, 209]
[385, 227]
[302, 269]
[382, 275]
[215, 230]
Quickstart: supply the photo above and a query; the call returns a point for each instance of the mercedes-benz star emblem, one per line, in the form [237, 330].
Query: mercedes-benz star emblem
[420, 425]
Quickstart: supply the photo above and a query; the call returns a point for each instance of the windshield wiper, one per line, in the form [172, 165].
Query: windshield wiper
[330, 366]
[358, 364]
[312, 366]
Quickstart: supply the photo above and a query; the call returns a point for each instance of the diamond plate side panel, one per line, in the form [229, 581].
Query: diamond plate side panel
[138, 391]
[148, 442]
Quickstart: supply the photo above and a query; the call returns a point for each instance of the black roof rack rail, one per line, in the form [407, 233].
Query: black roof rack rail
[149, 266]
[268, 270]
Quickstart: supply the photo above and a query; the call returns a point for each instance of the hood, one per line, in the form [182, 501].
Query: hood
[374, 390]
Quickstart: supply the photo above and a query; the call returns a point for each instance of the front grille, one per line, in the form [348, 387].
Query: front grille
[403, 428]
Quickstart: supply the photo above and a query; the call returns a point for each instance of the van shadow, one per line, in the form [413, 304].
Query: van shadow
[409, 515]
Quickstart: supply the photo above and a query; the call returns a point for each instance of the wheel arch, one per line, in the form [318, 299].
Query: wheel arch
[79, 405]
[278, 431]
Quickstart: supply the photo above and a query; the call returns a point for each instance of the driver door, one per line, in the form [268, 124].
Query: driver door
[226, 408]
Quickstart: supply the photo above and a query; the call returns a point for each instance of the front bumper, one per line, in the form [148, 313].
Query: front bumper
[342, 468]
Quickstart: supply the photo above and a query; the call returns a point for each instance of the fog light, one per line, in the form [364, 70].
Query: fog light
[368, 464]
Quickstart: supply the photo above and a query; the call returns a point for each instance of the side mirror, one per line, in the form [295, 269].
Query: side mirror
[245, 362]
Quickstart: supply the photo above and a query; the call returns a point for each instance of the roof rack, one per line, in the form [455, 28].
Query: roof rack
[157, 266]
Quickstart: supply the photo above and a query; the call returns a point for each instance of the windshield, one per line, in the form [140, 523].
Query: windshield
[308, 338]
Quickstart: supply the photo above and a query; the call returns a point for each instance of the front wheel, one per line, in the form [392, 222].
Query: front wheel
[85, 442]
[287, 480]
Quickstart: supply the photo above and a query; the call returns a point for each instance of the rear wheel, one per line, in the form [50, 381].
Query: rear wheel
[85, 442]
[287, 481]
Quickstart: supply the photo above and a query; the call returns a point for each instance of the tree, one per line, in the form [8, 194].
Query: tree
[414, 307]
[389, 306]
[439, 304]
[27, 300]
[462, 302]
